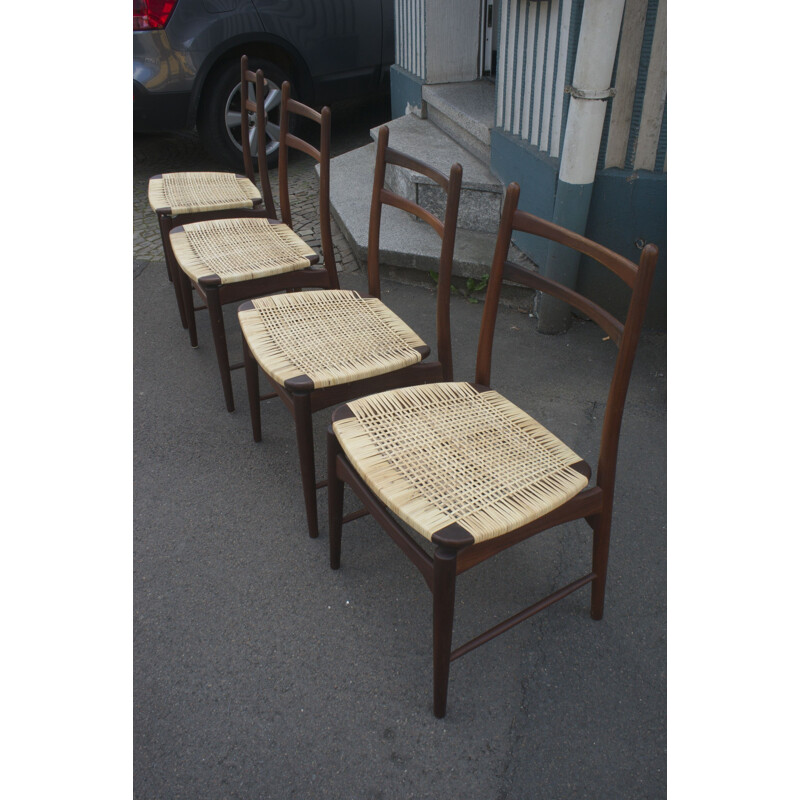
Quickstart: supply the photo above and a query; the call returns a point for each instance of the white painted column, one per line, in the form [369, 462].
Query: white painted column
[591, 82]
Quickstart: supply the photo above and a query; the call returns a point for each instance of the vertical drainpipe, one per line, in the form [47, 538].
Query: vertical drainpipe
[594, 64]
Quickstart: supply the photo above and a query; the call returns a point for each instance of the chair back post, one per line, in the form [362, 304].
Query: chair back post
[247, 77]
[322, 156]
[283, 155]
[373, 238]
[326, 234]
[446, 230]
[612, 420]
[626, 336]
[444, 349]
[483, 365]
[261, 137]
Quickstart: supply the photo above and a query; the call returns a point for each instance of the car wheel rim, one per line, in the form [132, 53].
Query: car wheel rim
[233, 118]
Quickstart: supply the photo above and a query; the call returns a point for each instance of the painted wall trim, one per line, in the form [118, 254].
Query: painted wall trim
[514, 159]
[627, 209]
[406, 92]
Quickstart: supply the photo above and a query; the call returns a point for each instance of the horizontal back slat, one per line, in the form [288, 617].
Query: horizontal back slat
[296, 107]
[623, 268]
[533, 280]
[303, 146]
[392, 199]
[409, 162]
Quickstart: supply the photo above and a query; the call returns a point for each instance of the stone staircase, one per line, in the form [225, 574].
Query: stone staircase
[464, 111]
[459, 117]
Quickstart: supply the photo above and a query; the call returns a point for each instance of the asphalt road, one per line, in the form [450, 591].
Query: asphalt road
[261, 673]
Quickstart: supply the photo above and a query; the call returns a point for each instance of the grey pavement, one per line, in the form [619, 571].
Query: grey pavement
[261, 673]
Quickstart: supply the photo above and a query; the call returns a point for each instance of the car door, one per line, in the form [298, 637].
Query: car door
[341, 41]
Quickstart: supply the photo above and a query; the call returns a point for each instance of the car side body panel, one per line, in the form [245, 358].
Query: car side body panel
[337, 37]
[335, 49]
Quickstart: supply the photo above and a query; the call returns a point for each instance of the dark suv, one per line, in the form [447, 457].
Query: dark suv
[186, 59]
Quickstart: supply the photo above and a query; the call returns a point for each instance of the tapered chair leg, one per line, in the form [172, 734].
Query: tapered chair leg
[217, 322]
[164, 227]
[253, 391]
[335, 502]
[305, 450]
[601, 527]
[444, 595]
[184, 287]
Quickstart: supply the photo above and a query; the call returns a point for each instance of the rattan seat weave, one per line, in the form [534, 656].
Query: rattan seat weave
[196, 192]
[330, 337]
[443, 454]
[239, 249]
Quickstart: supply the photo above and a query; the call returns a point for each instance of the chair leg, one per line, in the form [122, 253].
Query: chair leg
[444, 596]
[184, 287]
[601, 527]
[220, 342]
[305, 450]
[253, 390]
[164, 226]
[335, 502]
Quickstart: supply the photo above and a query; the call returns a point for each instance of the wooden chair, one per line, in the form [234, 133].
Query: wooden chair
[234, 259]
[318, 349]
[182, 197]
[473, 474]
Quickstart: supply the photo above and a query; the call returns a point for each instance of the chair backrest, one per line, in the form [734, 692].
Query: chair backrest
[252, 94]
[321, 155]
[626, 336]
[446, 228]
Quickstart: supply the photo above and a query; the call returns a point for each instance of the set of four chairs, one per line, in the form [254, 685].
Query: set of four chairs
[452, 471]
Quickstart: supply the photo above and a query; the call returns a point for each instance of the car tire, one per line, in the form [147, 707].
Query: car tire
[218, 120]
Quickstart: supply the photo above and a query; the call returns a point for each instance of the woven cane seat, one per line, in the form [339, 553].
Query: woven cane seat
[446, 454]
[239, 249]
[327, 338]
[195, 192]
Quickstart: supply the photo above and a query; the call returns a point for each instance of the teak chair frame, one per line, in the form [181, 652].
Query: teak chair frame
[263, 206]
[214, 293]
[299, 395]
[455, 551]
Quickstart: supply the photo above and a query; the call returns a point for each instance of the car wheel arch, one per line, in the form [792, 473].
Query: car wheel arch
[269, 48]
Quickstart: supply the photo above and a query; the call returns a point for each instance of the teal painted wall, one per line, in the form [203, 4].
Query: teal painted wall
[513, 159]
[406, 89]
[625, 207]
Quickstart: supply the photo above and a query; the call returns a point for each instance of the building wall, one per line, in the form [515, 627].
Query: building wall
[537, 46]
[438, 40]
[536, 56]
[636, 124]
[410, 36]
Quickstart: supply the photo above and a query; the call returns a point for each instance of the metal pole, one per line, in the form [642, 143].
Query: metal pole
[594, 64]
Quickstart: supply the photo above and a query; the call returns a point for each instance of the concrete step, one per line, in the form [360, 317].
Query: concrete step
[481, 191]
[464, 111]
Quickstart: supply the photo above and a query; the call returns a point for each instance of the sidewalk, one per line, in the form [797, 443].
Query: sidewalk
[261, 673]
